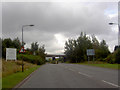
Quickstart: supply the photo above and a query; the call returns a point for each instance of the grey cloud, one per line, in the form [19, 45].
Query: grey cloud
[50, 18]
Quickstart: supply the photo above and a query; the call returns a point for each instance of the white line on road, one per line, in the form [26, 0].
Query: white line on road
[84, 74]
[110, 83]
[66, 67]
[71, 69]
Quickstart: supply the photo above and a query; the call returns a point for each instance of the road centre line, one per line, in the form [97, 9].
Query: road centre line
[91, 76]
[80, 73]
[110, 83]
[71, 69]
[84, 74]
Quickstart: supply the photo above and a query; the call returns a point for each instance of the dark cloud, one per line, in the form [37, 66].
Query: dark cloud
[50, 18]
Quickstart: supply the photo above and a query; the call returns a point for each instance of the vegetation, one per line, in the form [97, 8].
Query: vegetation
[75, 49]
[35, 54]
[8, 43]
[101, 64]
[114, 57]
[35, 59]
[13, 79]
[11, 67]
[12, 72]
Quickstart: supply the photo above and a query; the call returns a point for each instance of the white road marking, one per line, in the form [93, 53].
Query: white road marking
[71, 69]
[66, 67]
[84, 74]
[110, 83]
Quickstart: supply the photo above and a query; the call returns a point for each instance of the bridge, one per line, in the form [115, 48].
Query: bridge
[54, 55]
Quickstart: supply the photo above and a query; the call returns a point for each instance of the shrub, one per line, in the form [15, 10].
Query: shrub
[31, 59]
[117, 56]
[114, 58]
[110, 59]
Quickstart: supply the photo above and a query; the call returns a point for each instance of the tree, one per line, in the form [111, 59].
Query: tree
[17, 43]
[34, 47]
[75, 50]
[95, 42]
[41, 51]
[117, 56]
[104, 49]
[69, 49]
[116, 47]
[6, 43]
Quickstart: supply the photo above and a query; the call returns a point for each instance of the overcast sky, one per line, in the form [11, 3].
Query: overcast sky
[55, 22]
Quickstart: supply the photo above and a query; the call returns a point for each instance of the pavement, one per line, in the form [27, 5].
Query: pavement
[72, 76]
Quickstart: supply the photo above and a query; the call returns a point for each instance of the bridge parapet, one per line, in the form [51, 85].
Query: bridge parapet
[54, 55]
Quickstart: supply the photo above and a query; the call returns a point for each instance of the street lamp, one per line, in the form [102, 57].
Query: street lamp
[111, 23]
[23, 43]
[118, 32]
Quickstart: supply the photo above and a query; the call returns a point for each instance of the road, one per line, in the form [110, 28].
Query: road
[72, 76]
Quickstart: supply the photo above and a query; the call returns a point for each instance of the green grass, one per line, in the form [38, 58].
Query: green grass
[13, 79]
[11, 67]
[101, 64]
[112, 66]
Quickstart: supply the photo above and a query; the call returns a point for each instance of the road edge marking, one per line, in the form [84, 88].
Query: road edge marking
[110, 83]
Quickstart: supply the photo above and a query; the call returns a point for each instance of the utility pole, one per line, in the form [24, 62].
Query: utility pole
[118, 32]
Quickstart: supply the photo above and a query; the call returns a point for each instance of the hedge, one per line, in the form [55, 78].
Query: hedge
[31, 59]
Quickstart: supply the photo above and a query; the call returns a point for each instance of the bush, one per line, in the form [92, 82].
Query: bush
[117, 56]
[31, 59]
[114, 58]
[110, 59]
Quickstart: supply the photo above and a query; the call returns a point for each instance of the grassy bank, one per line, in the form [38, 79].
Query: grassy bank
[11, 72]
[101, 64]
[11, 67]
[13, 79]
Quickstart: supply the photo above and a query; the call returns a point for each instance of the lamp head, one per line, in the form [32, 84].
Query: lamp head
[31, 25]
[111, 23]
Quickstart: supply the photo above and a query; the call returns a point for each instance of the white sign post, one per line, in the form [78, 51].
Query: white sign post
[10, 54]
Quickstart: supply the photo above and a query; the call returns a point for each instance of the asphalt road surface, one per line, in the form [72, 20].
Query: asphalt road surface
[72, 76]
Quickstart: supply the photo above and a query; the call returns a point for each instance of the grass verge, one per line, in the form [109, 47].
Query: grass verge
[13, 79]
[11, 67]
[101, 64]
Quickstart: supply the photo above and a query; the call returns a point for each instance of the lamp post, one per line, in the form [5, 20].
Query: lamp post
[118, 32]
[23, 44]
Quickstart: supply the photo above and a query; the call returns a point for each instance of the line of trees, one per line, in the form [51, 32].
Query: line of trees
[32, 52]
[36, 50]
[8, 43]
[75, 49]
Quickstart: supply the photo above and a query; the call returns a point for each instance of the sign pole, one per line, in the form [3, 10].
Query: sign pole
[93, 59]
[88, 58]
[23, 47]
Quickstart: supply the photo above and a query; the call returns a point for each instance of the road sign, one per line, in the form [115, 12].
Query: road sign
[90, 52]
[10, 54]
[22, 50]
